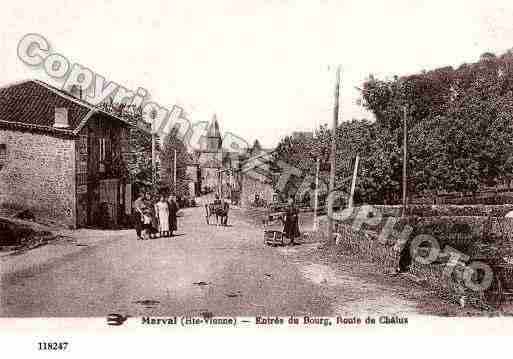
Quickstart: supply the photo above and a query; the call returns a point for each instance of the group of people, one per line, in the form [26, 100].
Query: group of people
[152, 218]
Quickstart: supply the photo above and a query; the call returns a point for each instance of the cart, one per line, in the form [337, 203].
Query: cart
[275, 238]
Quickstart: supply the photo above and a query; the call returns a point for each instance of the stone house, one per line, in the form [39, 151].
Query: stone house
[234, 175]
[256, 185]
[209, 157]
[62, 158]
[256, 177]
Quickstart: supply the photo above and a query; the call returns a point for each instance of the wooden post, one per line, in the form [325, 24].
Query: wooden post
[405, 162]
[353, 183]
[316, 199]
[153, 160]
[333, 160]
[174, 173]
[219, 182]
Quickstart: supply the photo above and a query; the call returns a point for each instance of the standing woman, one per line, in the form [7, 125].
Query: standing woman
[291, 222]
[162, 213]
[137, 214]
[173, 210]
[153, 216]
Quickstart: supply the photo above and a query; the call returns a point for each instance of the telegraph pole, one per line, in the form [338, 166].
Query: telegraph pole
[316, 199]
[333, 159]
[153, 159]
[174, 172]
[353, 183]
[153, 117]
[405, 162]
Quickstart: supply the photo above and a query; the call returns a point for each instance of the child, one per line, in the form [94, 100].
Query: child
[147, 228]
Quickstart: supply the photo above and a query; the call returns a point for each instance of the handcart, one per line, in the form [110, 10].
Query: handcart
[275, 238]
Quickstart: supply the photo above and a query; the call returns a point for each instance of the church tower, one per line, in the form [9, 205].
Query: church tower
[213, 138]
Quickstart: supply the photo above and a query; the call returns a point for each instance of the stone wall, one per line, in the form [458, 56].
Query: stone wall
[483, 239]
[39, 175]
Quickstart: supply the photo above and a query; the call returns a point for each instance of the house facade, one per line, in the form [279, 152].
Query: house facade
[209, 157]
[256, 177]
[235, 175]
[62, 158]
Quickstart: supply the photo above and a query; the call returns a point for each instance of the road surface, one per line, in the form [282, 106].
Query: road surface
[226, 271]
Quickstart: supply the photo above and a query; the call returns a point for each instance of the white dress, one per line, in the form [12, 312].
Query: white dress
[162, 210]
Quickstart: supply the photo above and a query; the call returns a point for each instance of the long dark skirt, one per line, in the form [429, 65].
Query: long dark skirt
[137, 223]
[291, 228]
[173, 210]
[173, 223]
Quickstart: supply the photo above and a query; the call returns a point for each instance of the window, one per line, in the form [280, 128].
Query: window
[103, 153]
[3, 155]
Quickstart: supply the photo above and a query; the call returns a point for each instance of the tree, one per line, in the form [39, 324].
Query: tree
[460, 126]
[167, 159]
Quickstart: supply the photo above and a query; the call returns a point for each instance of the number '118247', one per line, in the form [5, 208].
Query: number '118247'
[52, 345]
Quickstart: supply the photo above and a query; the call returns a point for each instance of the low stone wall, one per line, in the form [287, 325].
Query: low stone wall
[366, 245]
[445, 210]
[449, 287]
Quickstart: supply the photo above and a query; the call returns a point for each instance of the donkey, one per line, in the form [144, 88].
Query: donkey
[220, 210]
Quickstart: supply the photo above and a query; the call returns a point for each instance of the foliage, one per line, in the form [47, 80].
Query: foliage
[167, 158]
[139, 142]
[460, 134]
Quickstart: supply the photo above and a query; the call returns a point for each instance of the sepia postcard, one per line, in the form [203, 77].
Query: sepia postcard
[231, 169]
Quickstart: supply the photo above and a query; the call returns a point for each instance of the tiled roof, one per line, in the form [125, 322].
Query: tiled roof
[31, 105]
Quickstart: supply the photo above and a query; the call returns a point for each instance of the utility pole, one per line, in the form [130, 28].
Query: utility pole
[333, 160]
[153, 117]
[353, 183]
[405, 161]
[174, 172]
[153, 159]
[316, 199]
[220, 183]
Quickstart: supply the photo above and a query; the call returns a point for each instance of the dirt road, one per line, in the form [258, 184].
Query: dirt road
[226, 271]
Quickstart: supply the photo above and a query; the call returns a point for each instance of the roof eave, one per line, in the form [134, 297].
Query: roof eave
[10, 125]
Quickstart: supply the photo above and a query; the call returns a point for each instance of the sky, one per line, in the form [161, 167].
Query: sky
[267, 67]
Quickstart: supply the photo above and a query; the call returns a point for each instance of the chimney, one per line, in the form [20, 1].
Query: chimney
[61, 118]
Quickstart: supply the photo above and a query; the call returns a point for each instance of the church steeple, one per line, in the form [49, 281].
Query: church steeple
[214, 140]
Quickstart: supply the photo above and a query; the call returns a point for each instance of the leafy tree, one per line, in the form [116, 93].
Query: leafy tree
[460, 124]
[167, 158]
[139, 143]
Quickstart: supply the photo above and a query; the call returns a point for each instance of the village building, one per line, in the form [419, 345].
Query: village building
[210, 157]
[256, 177]
[62, 158]
[298, 135]
[228, 174]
